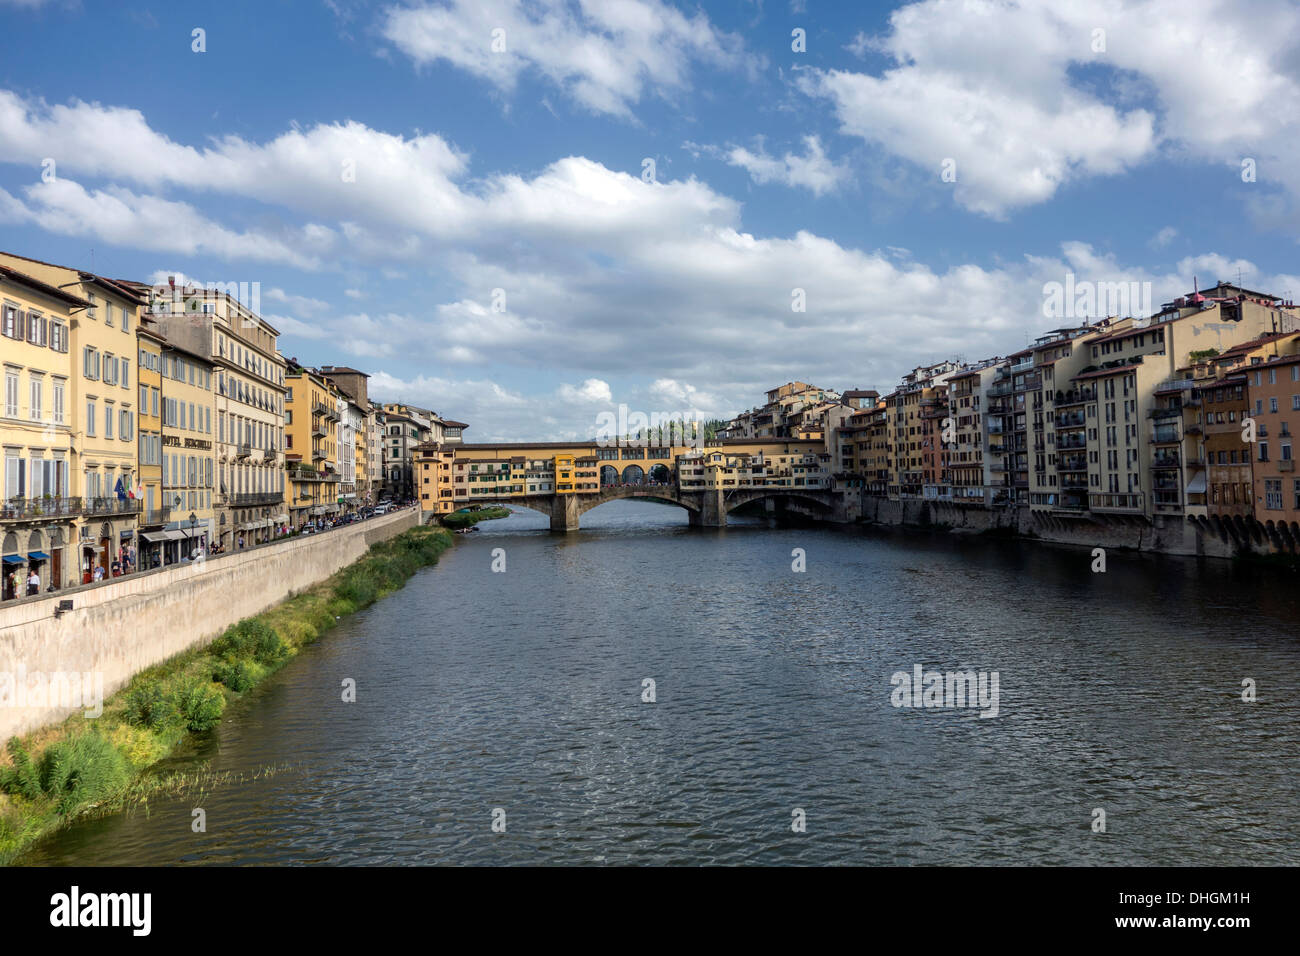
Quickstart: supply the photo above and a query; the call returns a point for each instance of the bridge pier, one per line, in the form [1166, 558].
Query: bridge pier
[564, 513]
[712, 513]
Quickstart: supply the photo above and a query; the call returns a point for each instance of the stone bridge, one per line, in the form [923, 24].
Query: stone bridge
[707, 509]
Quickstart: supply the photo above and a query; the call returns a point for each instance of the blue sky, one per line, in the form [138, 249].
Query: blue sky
[1115, 155]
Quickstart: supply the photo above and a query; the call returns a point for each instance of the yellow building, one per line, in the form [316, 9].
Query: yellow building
[188, 410]
[149, 441]
[39, 511]
[102, 461]
[311, 416]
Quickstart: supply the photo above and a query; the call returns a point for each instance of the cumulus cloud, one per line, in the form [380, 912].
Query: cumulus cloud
[1028, 97]
[813, 170]
[591, 390]
[604, 55]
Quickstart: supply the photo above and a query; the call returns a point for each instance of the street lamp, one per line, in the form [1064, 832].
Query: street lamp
[190, 539]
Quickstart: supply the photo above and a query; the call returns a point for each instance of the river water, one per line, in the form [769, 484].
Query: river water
[522, 691]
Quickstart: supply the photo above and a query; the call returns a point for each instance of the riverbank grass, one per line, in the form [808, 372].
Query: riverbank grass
[87, 766]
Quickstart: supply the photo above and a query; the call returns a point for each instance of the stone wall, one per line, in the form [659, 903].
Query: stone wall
[119, 627]
[1165, 534]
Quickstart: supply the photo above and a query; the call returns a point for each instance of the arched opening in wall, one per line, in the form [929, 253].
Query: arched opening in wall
[56, 557]
[12, 567]
[608, 475]
[106, 546]
[38, 560]
[660, 475]
[633, 475]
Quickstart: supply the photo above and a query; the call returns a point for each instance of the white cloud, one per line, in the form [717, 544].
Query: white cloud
[812, 171]
[121, 217]
[997, 87]
[591, 390]
[604, 53]
[1162, 238]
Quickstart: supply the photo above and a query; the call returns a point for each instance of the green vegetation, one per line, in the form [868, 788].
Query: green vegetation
[466, 518]
[84, 766]
[1200, 355]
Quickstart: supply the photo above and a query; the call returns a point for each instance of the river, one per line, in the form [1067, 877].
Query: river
[522, 691]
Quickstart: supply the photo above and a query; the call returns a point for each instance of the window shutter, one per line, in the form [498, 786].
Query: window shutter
[20, 325]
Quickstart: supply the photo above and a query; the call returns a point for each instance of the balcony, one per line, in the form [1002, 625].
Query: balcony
[1072, 463]
[1075, 396]
[1115, 502]
[243, 450]
[1166, 436]
[1165, 461]
[27, 509]
[249, 498]
[1286, 464]
[155, 516]
[1070, 420]
[1163, 413]
[95, 507]
[1070, 441]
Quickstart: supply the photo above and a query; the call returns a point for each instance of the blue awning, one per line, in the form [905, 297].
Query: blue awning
[13, 559]
[37, 556]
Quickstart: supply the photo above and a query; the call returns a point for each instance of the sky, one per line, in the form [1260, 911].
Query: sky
[524, 213]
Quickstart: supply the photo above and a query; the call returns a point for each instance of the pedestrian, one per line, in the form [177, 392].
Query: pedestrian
[241, 542]
[99, 573]
[34, 583]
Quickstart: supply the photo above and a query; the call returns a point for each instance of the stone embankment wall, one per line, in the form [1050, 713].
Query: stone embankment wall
[121, 626]
[1213, 538]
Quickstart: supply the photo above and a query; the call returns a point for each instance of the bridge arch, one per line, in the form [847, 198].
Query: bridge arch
[608, 475]
[633, 475]
[660, 473]
[741, 497]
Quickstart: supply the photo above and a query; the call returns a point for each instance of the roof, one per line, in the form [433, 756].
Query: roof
[54, 292]
[112, 285]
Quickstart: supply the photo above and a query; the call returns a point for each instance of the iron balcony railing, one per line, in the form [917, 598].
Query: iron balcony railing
[23, 508]
[112, 506]
[256, 498]
[155, 516]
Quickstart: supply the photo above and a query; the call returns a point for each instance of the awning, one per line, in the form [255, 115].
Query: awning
[281, 518]
[128, 534]
[154, 536]
[13, 559]
[1197, 485]
[37, 556]
[175, 535]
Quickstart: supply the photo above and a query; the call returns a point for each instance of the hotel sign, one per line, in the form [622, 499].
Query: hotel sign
[175, 441]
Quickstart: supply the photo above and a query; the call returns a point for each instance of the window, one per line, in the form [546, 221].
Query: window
[1263, 451]
[1273, 494]
[34, 407]
[11, 394]
[11, 321]
[108, 421]
[1272, 404]
[58, 336]
[90, 419]
[36, 326]
[126, 320]
[59, 401]
[90, 363]
[124, 426]
[126, 372]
